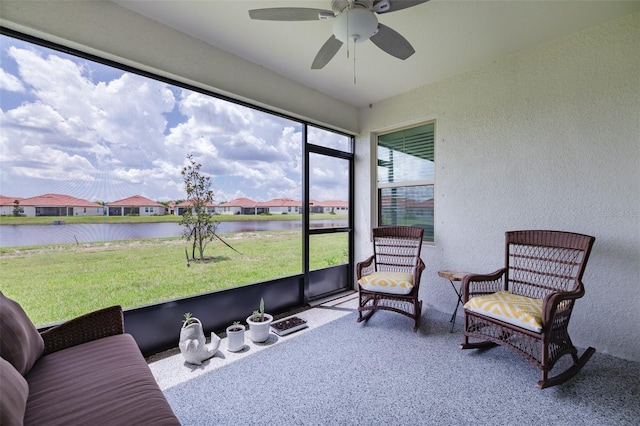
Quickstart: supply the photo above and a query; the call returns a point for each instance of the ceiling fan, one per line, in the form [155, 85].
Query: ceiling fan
[354, 20]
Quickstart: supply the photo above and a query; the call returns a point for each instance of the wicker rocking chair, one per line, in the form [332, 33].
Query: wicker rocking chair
[527, 305]
[390, 279]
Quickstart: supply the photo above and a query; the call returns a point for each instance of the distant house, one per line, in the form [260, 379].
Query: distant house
[180, 208]
[239, 206]
[55, 205]
[171, 208]
[281, 206]
[64, 205]
[137, 205]
[330, 206]
[7, 204]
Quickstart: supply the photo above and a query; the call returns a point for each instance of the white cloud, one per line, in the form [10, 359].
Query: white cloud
[128, 135]
[10, 82]
[124, 116]
[53, 165]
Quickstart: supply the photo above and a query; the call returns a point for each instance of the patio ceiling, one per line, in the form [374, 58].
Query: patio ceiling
[449, 37]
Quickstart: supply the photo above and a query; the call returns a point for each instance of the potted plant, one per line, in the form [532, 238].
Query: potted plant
[192, 343]
[259, 324]
[235, 337]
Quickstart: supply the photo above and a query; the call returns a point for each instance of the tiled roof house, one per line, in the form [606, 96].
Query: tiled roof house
[179, 208]
[330, 206]
[238, 206]
[136, 204]
[281, 206]
[59, 205]
[7, 205]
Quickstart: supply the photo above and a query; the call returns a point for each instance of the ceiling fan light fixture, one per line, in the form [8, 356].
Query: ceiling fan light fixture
[382, 6]
[355, 25]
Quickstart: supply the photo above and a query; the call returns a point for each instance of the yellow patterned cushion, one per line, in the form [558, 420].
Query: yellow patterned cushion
[388, 282]
[521, 311]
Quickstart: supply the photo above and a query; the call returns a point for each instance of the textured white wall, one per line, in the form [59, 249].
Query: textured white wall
[545, 139]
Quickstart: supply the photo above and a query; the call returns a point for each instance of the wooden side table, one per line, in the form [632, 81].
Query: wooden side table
[453, 276]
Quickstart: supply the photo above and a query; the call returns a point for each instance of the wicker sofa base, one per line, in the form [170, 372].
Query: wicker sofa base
[104, 381]
[404, 305]
[85, 371]
[528, 344]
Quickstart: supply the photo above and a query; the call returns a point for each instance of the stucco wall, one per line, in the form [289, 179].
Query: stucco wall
[545, 139]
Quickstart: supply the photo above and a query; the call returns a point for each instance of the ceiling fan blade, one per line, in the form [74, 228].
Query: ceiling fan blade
[392, 42]
[289, 14]
[326, 53]
[386, 6]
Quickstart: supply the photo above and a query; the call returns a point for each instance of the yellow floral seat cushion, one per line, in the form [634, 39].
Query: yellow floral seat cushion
[388, 282]
[520, 311]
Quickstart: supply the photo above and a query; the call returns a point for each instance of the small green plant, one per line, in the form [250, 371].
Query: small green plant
[188, 319]
[235, 326]
[258, 315]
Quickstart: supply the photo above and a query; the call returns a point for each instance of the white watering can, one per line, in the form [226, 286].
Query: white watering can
[193, 344]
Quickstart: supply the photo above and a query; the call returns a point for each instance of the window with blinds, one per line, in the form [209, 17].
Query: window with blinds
[406, 178]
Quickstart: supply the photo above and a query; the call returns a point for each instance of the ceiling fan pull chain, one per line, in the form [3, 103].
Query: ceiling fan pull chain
[354, 63]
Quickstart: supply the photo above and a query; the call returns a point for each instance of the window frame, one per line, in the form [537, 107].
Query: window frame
[376, 186]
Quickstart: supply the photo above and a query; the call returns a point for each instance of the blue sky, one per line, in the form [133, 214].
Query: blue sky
[72, 126]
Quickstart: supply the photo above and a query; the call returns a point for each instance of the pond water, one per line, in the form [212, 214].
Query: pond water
[28, 235]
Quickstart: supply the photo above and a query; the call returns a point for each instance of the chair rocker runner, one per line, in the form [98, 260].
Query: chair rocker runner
[390, 279]
[526, 306]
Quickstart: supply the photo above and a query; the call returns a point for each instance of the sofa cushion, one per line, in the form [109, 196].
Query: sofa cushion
[520, 311]
[105, 381]
[21, 344]
[13, 395]
[388, 282]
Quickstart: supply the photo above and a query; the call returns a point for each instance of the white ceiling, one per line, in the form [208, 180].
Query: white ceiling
[449, 36]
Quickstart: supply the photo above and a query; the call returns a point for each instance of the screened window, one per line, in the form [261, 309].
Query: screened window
[406, 178]
[77, 127]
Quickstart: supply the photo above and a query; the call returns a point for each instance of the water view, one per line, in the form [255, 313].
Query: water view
[29, 235]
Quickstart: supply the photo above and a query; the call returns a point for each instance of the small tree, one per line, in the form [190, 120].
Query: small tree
[16, 207]
[199, 226]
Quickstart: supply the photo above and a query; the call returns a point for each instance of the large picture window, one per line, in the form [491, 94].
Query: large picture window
[99, 149]
[406, 178]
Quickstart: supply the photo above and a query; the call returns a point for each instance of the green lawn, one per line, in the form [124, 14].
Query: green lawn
[58, 282]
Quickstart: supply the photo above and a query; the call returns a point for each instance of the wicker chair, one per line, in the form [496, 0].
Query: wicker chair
[390, 279]
[545, 267]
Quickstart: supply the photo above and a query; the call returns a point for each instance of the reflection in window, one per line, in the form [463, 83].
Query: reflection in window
[405, 175]
[408, 206]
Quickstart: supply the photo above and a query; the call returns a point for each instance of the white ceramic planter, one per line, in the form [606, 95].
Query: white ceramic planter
[193, 344]
[235, 338]
[259, 331]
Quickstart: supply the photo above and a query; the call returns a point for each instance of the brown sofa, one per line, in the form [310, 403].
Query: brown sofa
[84, 371]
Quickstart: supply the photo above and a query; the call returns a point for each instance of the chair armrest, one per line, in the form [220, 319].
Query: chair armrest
[364, 268]
[417, 274]
[92, 326]
[554, 305]
[478, 284]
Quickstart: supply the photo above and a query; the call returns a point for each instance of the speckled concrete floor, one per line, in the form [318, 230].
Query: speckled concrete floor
[340, 372]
